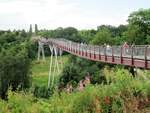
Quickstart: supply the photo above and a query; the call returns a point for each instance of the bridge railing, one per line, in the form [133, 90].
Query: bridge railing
[137, 51]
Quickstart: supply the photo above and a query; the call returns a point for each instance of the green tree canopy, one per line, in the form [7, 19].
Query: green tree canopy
[30, 30]
[139, 26]
[36, 29]
[102, 36]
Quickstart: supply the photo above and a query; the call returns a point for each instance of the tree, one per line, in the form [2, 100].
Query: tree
[134, 35]
[116, 33]
[14, 69]
[23, 33]
[36, 29]
[120, 30]
[112, 29]
[14, 62]
[59, 33]
[139, 26]
[30, 30]
[102, 36]
[142, 19]
[87, 35]
[69, 33]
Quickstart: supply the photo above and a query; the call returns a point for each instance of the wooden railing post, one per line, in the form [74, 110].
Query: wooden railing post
[86, 51]
[132, 60]
[145, 56]
[79, 48]
[82, 49]
[90, 51]
[65, 46]
[94, 53]
[99, 52]
[112, 53]
[105, 52]
[71, 47]
[76, 48]
[121, 56]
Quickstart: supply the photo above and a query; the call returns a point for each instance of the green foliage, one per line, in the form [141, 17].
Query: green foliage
[77, 68]
[30, 30]
[124, 94]
[14, 62]
[148, 39]
[42, 92]
[14, 66]
[134, 35]
[23, 34]
[32, 49]
[87, 35]
[103, 36]
[36, 29]
[139, 27]
[141, 18]
[69, 33]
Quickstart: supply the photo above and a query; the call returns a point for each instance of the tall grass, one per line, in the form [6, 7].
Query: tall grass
[124, 94]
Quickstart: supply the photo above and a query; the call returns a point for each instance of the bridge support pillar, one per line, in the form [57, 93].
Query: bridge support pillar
[52, 71]
[41, 49]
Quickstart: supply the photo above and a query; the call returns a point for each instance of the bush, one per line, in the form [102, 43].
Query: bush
[14, 68]
[77, 68]
[42, 92]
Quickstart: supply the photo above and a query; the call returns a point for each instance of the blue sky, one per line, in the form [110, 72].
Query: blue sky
[82, 14]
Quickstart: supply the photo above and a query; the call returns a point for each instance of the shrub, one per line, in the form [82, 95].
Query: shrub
[42, 92]
[14, 68]
[77, 68]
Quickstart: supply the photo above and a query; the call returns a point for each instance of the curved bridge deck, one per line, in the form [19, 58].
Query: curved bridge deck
[136, 56]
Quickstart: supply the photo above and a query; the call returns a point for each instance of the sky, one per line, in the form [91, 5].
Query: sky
[81, 14]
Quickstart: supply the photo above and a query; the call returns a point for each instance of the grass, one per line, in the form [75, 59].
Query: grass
[40, 70]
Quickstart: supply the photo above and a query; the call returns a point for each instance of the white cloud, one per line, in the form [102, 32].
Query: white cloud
[49, 14]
